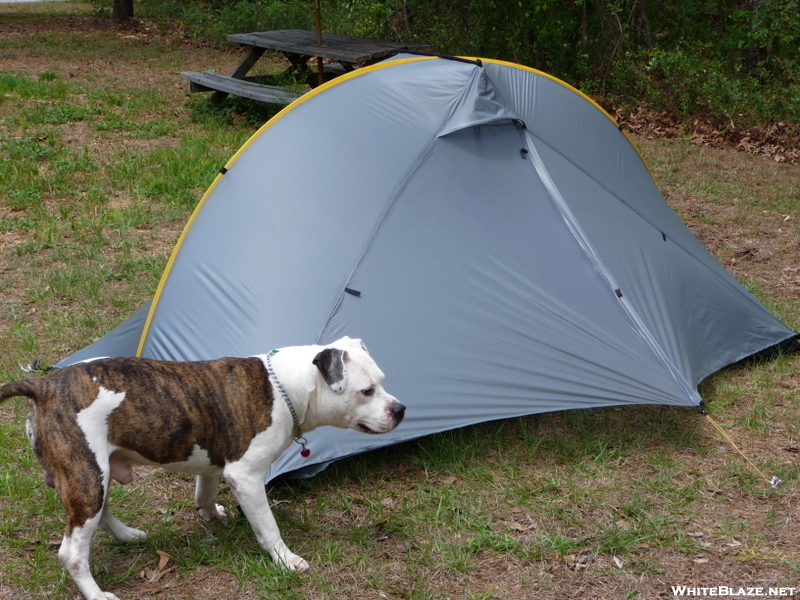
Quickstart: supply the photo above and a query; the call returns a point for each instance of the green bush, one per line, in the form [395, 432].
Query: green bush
[731, 60]
[689, 81]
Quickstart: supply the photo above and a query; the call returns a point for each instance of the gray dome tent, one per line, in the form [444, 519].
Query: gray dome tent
[488, 230]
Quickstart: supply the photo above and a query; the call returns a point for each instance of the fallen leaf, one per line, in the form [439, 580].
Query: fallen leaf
[165, 558]
[619, 564]
[151, 575]
[712, 487]
[518, 526]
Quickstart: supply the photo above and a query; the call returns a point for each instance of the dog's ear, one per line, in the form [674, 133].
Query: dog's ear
[330, 363]
[354, 342]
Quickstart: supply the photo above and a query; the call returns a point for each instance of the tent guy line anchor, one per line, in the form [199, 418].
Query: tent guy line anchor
[774, 482]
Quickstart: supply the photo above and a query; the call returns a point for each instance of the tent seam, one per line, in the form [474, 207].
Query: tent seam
[585, 97]
[393, 200]
[583, 241]
[729, 283]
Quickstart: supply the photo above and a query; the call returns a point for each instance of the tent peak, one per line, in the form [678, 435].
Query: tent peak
[480, 103]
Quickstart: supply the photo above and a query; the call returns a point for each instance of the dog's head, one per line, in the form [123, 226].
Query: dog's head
[351, 373]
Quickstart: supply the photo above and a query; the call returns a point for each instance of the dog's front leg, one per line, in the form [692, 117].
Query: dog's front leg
[122, 472]
[120, 531]
[205, 496]
[250, 491]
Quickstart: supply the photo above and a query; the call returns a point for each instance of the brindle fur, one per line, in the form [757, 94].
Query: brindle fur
[90, 422]
[218, 405]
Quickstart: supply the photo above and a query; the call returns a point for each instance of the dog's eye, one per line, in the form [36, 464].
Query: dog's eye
[370, 391]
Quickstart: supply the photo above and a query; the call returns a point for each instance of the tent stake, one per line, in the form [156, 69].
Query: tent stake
[774, 482]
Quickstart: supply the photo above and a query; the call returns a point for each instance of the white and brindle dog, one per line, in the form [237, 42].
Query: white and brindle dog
[91, 422]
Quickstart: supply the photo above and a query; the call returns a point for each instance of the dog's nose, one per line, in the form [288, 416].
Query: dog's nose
[398, 411]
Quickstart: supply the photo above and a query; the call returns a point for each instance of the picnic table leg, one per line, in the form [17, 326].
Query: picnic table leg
[298, 62]
[243, 68]
[248, 62]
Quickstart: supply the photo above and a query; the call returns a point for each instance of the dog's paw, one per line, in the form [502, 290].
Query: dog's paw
[217, 512]
[132, 536]
[110, 596]
[298, 565]
[295, 563]
[124, 534]
[286, 559]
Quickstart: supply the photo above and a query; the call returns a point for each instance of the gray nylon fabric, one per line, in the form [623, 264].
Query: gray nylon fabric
[510, 252]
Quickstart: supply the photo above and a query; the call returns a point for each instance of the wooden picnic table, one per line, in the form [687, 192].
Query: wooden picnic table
[298, 46]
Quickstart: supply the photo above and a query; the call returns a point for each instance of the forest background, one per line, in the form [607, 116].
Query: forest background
[734, 63]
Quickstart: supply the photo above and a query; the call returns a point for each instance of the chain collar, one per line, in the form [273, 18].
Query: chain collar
[298, 438]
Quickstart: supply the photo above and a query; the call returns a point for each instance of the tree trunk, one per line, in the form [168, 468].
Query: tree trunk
[614, 38]
[645, 18]
[754, 51]
[122, 11]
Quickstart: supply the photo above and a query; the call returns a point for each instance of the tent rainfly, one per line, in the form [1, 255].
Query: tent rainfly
[489, 232]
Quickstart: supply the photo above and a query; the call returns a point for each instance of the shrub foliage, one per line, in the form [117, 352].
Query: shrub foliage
[731, 60]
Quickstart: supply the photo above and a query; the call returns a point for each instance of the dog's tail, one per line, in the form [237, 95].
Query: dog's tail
[23, 387]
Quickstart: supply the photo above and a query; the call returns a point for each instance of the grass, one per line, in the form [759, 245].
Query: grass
[99, 171]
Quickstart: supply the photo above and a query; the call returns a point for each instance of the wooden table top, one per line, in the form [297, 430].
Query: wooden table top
[345, 48]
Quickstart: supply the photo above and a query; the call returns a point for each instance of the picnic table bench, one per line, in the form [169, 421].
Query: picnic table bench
[298, 46]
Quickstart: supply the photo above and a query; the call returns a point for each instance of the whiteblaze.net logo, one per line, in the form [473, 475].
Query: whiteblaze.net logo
[733, 592]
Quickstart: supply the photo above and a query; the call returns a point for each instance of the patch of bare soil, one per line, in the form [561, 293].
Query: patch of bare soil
[137, 29]
[765, 249]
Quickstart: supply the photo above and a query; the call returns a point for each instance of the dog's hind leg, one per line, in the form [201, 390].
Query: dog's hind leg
[74, 555]
[120, 471]
[205, 496]
[83, 494]
[121, 532]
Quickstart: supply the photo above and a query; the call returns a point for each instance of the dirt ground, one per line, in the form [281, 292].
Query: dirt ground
[763, 248]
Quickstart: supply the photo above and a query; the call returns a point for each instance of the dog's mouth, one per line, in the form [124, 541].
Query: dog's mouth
[364, 429]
